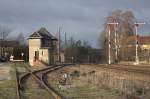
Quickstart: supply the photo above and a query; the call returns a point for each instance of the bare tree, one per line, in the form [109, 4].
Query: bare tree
[77, 51]
[4, 32]
[125, 29]
[21, 39]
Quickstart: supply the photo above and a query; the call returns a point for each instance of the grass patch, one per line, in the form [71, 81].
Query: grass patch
[37, 93]
[83, 90]
[89, 91]
[8, 87]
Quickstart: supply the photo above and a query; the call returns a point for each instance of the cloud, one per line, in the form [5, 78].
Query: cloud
[82, 19]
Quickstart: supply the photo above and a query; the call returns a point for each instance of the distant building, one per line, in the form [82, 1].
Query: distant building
[42, 47]
[143, 47]
[144, 42]
[7, 48]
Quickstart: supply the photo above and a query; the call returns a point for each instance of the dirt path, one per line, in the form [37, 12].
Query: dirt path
[4, 71]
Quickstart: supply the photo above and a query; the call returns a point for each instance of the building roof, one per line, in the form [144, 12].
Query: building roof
[141, 40]
[131, 40]
[5, 43]
[144, 39]
[42, 33]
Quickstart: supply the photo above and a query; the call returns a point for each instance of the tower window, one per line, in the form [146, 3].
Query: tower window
[42, 53]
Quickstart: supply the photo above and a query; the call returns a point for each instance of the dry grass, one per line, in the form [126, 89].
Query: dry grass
[8, 87]
[82, 86]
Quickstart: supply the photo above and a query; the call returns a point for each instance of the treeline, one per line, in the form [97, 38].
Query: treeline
[21, 48]
[78, 51]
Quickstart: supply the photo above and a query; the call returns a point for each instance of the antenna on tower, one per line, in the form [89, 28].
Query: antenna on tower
[59, 44]
[65, 39]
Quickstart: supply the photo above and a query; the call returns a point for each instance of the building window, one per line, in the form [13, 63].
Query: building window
[42, 53]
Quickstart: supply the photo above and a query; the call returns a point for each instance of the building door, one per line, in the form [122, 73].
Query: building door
[36, 55]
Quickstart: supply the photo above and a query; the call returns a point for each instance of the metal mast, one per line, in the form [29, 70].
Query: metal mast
[116, 45]
[65, 39]
[116, 53]
[136, 40]
[59, 43]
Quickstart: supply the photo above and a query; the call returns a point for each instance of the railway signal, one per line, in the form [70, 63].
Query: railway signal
[136, 40]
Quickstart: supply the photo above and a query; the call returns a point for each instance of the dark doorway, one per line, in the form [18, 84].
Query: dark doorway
[36, 55]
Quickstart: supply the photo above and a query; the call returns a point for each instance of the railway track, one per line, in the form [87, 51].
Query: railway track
[17, 85]
[39, 76]
[128, 68]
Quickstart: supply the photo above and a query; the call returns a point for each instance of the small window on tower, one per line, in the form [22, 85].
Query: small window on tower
[42, 53]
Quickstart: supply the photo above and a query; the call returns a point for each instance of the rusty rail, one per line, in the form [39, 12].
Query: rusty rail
[17, 85]
[40, 79]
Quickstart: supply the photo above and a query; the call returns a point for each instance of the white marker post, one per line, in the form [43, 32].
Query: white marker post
[136, 27]
[11, 58]
[116, 53]
[22, 56]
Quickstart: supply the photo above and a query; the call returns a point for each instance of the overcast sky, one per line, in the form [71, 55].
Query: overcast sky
[82, 19]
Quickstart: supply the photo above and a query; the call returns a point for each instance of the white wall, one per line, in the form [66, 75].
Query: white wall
[34, 45]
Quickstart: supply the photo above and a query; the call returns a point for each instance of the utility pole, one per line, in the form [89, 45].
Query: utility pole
[65, 40]
[136, 40]
[59, 43]
[116, 44]
[109, 58]
[116, 47]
